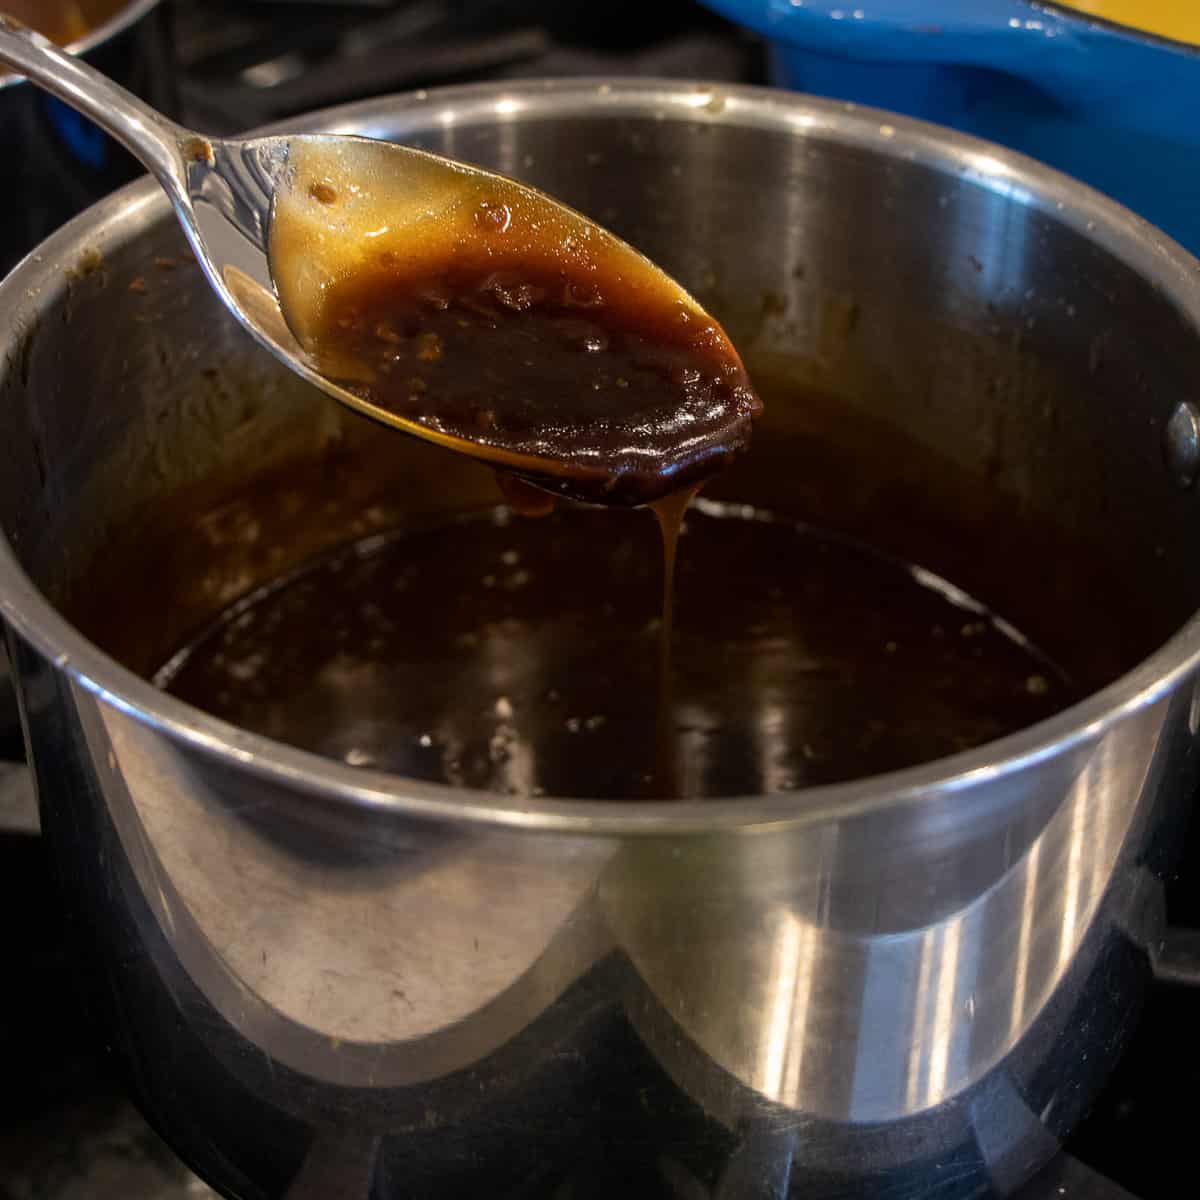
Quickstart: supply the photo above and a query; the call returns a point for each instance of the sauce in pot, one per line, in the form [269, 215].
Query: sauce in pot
[521, 657]
[535, 657]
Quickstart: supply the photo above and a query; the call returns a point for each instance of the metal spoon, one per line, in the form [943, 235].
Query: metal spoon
[227, 193]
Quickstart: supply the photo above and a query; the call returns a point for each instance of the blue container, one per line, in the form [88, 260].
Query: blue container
[1118, 109]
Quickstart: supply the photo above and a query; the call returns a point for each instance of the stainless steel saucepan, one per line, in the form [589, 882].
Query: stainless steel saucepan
[327, 981]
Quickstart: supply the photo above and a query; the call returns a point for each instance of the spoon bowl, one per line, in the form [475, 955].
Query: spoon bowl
[275, 221]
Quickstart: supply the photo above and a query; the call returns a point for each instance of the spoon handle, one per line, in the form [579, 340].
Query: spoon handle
[155, 139]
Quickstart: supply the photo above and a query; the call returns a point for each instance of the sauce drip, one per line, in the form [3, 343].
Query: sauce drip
[669, 512]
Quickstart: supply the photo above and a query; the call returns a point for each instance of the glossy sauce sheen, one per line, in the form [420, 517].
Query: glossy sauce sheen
[497, 318]
[521, 657]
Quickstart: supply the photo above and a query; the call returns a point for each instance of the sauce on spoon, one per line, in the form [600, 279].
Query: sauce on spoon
[511, 327]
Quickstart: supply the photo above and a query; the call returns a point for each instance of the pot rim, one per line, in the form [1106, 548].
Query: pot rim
[126, 16]
[43, 273]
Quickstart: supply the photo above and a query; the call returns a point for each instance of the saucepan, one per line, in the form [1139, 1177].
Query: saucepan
[323, 979]
[56, 164]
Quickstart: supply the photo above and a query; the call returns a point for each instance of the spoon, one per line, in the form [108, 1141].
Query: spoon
[248, 205]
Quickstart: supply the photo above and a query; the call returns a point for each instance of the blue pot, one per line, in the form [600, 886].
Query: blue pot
[1116, 108]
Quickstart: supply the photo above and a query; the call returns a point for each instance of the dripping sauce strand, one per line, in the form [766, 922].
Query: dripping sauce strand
[669, 512]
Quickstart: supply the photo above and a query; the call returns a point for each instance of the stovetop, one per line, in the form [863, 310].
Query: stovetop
[66, 1130]
[246, 62]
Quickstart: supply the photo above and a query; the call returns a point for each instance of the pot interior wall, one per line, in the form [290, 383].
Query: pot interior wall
[951, 374]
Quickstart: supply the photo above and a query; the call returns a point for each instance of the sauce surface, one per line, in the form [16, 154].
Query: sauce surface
[522, 657]
[488, 314]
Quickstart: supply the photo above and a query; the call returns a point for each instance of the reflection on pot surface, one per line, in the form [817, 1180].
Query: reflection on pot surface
[396, 967]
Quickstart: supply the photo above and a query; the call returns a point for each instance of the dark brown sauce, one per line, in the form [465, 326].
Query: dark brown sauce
[600, 396]
[487, 313]
[522, 657]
